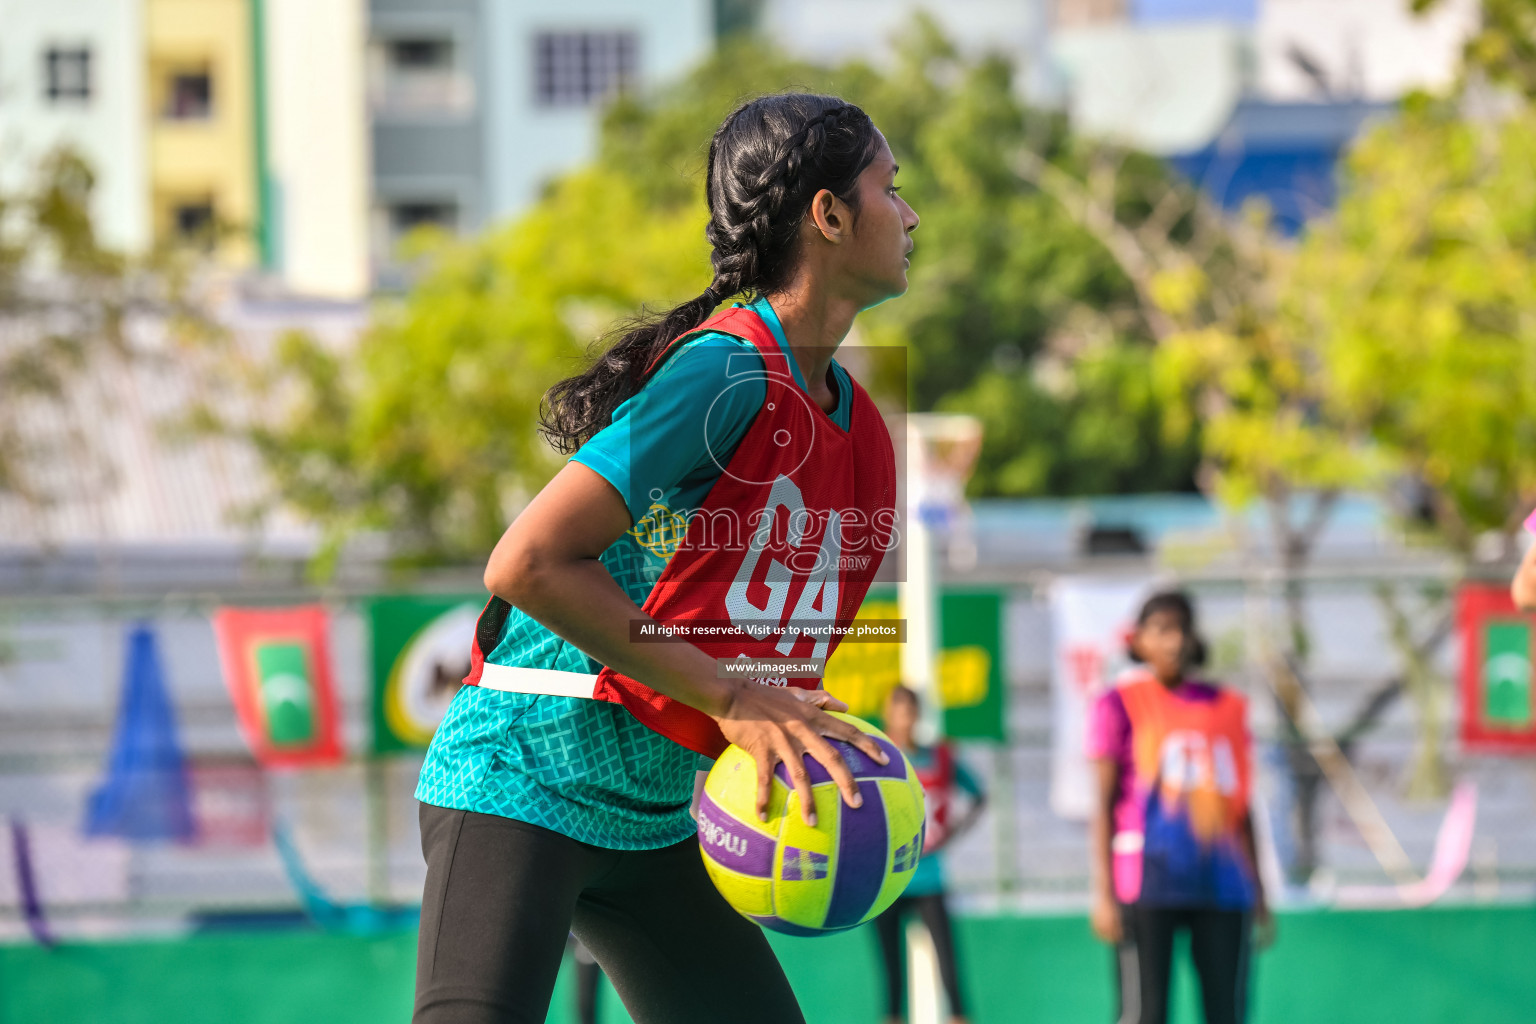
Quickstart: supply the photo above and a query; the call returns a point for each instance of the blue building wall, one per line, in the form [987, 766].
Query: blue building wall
[1284, 153]
[1151, 11]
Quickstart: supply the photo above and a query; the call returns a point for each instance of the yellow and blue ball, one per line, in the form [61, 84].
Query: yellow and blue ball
[804, 880]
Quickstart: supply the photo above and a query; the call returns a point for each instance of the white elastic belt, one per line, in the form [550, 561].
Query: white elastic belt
[538, 680]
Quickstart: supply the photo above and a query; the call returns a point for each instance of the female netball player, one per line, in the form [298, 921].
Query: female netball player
[555, 793]
[1172, 841]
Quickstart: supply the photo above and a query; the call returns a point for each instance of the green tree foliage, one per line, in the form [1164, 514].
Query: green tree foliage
[1091, 425]
[63, 298]
[1419, 297]
[69, 308]
[426, 431]
[1016, 312]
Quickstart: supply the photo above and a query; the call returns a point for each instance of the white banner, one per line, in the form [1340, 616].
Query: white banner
[1091, 617]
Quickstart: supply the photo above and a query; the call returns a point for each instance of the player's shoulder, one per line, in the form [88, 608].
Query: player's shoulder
[709, 355]
[1111, 697]
[712, 345]
[1229, 695]
[1213, 693]
[1211, 689]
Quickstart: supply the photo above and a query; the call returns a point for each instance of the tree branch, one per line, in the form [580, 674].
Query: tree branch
[1093, 215]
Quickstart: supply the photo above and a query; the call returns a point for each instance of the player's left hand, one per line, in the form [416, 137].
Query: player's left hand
[1263, 926]
[786, 724]
[819, 698]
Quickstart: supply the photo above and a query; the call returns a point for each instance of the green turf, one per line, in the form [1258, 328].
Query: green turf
[1408, 967]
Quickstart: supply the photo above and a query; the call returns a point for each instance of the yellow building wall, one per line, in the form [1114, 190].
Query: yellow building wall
[206, 160]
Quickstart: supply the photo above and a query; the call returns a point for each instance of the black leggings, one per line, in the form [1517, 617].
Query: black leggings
[501, 896]
[935, 917]
[1218, 945]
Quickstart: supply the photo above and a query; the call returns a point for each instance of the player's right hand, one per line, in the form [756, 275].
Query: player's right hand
[782, 724]
[1105, 919]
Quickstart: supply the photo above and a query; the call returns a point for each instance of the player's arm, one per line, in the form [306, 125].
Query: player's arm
[1263, 920]
[1523, 589]
[976, 797]
[972, 815]
[1105, 913]
[546, 564]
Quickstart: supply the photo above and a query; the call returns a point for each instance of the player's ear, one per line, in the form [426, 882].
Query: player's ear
[1195, 651]
[830, 216]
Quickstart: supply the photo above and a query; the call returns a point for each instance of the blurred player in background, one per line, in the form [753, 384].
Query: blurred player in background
[943, 775]
[1172, 841]
[1523, 589]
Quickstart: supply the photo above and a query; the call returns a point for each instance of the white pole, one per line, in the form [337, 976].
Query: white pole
[919, 598]
[925, 996]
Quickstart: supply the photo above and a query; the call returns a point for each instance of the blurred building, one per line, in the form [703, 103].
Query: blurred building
[1357, 50]
[314, 139]
[1164, 87]
[426, 77]
[201, 115]
[311, 135]
[838, 30]
[1250, 98]
[235, 124]
[1283, 153]
[475, 105]
[72, 72]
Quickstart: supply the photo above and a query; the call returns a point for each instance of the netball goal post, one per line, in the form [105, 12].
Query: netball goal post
[941, 453]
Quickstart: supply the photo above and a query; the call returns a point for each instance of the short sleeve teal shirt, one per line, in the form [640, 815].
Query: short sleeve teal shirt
[589, 769]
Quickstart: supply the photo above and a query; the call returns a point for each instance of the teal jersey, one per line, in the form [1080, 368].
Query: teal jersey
[586, 768]
[928, 879]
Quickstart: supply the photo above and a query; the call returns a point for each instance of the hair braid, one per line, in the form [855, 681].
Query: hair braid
[767, 161]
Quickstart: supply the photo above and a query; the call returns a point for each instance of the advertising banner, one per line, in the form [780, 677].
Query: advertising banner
[1091, 617]
[971, 669]
[420, 651]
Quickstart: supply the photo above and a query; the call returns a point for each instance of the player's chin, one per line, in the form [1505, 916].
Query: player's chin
[886, 284]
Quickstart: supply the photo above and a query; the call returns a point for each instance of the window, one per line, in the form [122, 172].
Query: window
[189, 96]
[394, 266]
[576, 68]
[421, 55]
[67, 73]
[418, 75]
[405, 217]
[193, 221]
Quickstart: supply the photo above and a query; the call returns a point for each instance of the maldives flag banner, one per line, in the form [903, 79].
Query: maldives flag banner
[1496, 671]
[277, 666]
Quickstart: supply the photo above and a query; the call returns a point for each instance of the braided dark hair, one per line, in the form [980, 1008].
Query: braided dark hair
[767, 161]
